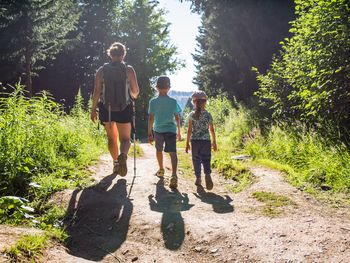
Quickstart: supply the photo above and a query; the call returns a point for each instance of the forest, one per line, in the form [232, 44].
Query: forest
[277, 73]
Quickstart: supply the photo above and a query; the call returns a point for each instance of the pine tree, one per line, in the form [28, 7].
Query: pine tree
[33, 31]
[235, 36]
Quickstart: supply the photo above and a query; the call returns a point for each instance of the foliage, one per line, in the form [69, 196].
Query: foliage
[28, 248]
[43, 27]
[273, 202]
[13, 209]
[219, 109]
[309, 80]
[310, 160]
[42, 148]
[316, 163]
[234, 37]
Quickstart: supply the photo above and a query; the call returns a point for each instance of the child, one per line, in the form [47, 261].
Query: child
[199, 124]
[164, 127]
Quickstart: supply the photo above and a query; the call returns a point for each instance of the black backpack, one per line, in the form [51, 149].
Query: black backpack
[116, 88]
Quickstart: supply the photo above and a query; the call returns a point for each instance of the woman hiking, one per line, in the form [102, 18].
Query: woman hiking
[115, 88]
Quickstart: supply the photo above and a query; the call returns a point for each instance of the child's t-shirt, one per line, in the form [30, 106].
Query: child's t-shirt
[200, 127]
[164, 109]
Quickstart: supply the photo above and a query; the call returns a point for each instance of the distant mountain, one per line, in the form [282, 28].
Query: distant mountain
[181, 97]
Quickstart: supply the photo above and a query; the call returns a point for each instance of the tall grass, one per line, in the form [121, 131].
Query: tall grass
[310, 159]
[42, 149]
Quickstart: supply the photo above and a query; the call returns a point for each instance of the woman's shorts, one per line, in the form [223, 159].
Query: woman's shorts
[124, 116]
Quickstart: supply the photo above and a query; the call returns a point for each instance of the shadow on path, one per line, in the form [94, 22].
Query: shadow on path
[170, 203]
[98, 219]
[220, 204]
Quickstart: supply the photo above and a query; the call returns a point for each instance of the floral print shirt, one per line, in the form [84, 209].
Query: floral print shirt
[200, 127]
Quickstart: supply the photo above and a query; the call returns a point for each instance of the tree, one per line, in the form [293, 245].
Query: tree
[310, 80]
[33, 31]
[236, 36]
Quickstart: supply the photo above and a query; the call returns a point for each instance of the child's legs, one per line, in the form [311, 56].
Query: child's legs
[196, 158]
[170, 147]
[159, 142]
[205, 154]
[159, 155]
[173, 158]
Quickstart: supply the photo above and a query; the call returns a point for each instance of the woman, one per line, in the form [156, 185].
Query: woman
[115, 113]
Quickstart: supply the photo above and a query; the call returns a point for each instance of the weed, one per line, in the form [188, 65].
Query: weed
[28, 248]
[273, 203]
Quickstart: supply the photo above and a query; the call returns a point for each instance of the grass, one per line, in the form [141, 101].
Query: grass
[42, 150]
[273, 203]
[29, 248]
[139, 151]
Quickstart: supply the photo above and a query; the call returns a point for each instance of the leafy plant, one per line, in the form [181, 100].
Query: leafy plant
[14, 209]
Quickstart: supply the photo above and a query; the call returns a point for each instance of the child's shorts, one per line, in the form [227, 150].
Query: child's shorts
[168, 138]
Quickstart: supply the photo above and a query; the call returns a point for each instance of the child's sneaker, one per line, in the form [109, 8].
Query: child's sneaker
[173, 181]
[123, 169]
[198, 181]
[160, 173]
[208, 182]
[115, 167]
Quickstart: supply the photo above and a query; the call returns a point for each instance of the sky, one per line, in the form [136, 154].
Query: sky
[183, 32]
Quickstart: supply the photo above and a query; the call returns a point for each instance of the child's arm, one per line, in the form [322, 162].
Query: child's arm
[177, 118]
[150, 127]
[189, 133]
[212, 132]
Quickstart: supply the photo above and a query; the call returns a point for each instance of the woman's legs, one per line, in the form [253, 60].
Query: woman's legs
[124, 130]
[112, 135]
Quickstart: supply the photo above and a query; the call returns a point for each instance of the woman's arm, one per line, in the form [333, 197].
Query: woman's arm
[134, 86]
[97, 93]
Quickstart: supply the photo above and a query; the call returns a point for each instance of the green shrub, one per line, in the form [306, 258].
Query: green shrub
[42, 149]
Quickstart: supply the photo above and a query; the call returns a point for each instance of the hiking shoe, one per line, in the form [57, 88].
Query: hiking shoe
[208, 182]
[198, 181]
[115, 167]
[123, 169]
[173, 181]
[160, 173]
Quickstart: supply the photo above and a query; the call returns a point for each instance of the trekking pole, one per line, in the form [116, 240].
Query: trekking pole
[134, 138]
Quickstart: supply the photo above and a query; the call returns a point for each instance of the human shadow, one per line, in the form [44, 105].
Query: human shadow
[220, 204]
[170, 203]
[98, 218]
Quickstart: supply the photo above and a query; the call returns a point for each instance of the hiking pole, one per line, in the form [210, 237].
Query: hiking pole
[134, 138]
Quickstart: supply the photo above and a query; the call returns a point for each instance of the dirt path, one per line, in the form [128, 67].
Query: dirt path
[156, 224]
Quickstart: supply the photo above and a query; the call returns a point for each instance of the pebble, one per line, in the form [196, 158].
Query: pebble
[214, 250]
[125, 252]
[198, 249]
[134, 259]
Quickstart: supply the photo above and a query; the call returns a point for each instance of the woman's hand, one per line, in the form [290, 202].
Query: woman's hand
[93, 115]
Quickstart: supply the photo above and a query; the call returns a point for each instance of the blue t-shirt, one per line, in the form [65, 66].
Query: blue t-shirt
[164, 109]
